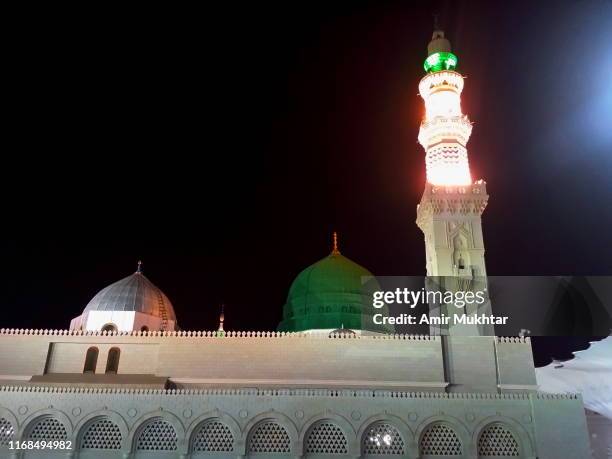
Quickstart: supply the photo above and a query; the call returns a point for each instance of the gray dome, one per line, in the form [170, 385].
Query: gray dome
[133, 293]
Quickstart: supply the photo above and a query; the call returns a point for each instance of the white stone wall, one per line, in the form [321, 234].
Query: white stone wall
[513, 358]
[137, 358]
[534, 421]
[307, 384]
[242, 359]
[447, 216]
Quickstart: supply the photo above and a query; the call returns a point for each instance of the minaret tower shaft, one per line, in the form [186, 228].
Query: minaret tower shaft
[450, 210]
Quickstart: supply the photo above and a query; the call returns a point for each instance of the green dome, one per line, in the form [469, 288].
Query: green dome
[332, 293]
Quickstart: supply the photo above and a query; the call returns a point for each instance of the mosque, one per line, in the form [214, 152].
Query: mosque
[125, 381]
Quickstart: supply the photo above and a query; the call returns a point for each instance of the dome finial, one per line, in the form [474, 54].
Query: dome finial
[335, 250]
[139, 268]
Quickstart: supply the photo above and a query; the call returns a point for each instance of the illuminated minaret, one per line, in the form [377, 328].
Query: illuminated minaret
[221, 319]
[452, 204]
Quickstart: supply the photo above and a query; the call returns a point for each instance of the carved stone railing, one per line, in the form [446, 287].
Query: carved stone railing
[212, 334]
[287, 392]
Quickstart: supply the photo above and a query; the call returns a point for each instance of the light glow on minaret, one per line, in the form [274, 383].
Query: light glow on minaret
[451, 207]
[444, 130]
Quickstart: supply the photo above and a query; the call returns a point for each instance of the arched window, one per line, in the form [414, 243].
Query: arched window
[325, 437]
[7, 431]
[440, 440]
[144, 328]
[382, 439]
[157, 435]
[461, 262]
[109, 328]
[48, 429]
[497, 441]
[213, 436]
[91, 359]
[269, 437]
[101, 434]
[112, 363]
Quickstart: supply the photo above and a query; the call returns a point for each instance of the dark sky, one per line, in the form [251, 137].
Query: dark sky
[223, 146]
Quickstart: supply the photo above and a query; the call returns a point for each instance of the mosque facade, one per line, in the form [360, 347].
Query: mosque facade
[125, 381]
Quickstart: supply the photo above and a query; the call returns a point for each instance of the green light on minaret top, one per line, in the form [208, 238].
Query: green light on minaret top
[440, 61]
[439, 54]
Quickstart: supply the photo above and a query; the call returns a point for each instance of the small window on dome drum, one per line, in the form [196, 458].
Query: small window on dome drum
[112, 364]
[109, 328]
[144, 328]
[91, 359]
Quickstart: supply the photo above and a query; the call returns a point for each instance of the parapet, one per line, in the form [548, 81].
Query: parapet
[212, 334]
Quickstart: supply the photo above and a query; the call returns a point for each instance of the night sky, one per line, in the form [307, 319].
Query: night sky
[222, 147]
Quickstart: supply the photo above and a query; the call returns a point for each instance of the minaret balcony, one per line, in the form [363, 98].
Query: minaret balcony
[439, 129]
[434, 81]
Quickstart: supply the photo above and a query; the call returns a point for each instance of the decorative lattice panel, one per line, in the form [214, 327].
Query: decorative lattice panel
[6, 431]
[383, 439]
[326, 438]
[497, 441]
[440, 440]
[214, 436]
[48, 429]
[102, 434]
[157, 435]
[270, 437]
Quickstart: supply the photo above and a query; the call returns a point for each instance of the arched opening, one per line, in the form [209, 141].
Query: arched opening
[325, 437]
[213, 436]
[440, 439]
[91, 359]
[156, 435]
[269, 437]
[109, 328]
[7, 432]
[102, 433]
[112, 363]
[461, 259]
[144, 328]
[497, 441]
[461, 262]
[47, 428]
[382, 439]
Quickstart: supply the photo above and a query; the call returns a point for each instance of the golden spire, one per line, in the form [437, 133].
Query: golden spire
[139, 268]
[335, 250]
